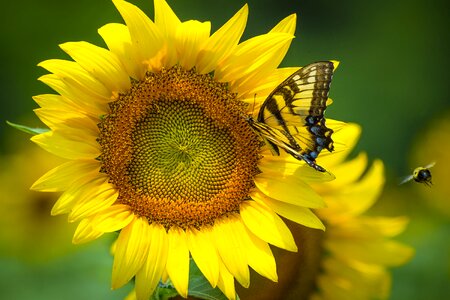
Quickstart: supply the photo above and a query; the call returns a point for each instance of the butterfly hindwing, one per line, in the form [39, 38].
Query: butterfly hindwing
[294, 113]
[277, 138]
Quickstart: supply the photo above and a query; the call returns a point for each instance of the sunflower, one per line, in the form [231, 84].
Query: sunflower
[350, 259]
[357, 249]
[158, 149]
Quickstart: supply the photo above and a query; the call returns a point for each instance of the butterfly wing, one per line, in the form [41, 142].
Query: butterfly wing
[298, 104]
[277, 138]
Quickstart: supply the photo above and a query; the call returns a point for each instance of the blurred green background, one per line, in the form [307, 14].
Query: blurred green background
[393, 80]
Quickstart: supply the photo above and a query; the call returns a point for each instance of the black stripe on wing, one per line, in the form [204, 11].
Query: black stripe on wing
[277, 138]
[300, 101]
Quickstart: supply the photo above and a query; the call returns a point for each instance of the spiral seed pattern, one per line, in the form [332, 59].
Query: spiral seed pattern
[178, 150]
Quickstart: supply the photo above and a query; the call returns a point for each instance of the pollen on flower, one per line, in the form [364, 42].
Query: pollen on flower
[178, 150]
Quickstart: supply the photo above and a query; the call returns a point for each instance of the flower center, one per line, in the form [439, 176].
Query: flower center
[178, 150]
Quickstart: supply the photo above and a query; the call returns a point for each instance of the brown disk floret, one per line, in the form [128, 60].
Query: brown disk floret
[178, 149]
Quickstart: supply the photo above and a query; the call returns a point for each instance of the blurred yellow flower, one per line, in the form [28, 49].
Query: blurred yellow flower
[350, 259]
[357, 248]
[26, 223]
[158, 149]
[431, 146]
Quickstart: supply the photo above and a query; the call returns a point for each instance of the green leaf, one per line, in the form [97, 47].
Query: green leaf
[199, 286]
[164, 291]
[27, 129]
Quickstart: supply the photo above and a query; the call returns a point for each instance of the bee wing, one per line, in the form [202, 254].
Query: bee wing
[406, 179]
[430, 165]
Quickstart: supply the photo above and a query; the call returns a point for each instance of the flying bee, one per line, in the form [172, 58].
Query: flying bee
[421, 175]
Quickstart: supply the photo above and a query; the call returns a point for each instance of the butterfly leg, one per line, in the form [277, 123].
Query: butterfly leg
[310, 162]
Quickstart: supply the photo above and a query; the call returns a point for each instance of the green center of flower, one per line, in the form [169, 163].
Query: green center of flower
[185, 148]
[178, 150]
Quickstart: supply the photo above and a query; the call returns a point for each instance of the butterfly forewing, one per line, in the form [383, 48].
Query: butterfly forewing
[294, 113]
[302, 94]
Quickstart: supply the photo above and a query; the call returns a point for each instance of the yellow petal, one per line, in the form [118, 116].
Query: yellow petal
[62, 118]
[286, 25]
[346, 173]
[148, 277]
[338, 287]
[333, 287]
[72, 73]
[117, 38]
[368, 228]
[362, 195]
[85, 233]
[388, 253]
[52, 101]
[62, 177]
[178, 260]
[74, 127]
[222, 42]
[89, 204]
[267, 85]
[189, 37]
[250, 56]
[298, 214]
[271, 62]
[88, 104]
[336, 64]
[260, 257]
[132, 295]
[228, 237]
[266, 225]
[131, 252]
[371, 281]
[387, 226]
[112, 218]
[204, 253]
[226, 282]
[165, 276]
[288, 165]
[146, 38]
[167, 22]
[101, 64]
[289, 189]
[61, 146]
[79, 188]
[345, 137]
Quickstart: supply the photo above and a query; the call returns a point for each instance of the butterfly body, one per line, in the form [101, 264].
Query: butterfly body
[420, 175]
[292, 116]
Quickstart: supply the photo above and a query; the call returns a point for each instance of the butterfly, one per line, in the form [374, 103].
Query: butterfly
[292, 116]
[421, 175]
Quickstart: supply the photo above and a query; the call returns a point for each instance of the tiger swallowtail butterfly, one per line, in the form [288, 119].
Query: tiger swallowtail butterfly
[292, 116]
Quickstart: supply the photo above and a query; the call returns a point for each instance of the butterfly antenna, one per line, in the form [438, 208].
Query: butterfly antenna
[249, 117]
